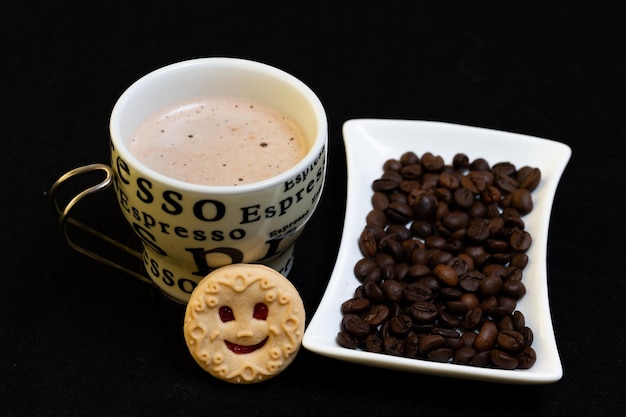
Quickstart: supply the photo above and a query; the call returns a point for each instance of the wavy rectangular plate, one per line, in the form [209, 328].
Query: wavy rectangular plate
[369, 143]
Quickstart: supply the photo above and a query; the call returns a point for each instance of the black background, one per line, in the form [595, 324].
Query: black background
[79, 338]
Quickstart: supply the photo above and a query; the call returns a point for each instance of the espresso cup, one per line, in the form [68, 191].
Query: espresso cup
[189, 229]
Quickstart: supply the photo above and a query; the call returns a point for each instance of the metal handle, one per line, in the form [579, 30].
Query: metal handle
[65, 219]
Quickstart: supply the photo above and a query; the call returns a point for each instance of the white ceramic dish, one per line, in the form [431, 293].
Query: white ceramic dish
[368, 143]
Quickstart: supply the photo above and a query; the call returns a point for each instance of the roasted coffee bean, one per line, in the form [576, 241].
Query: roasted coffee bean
[457, 307]
[464, 355]
[520, 241]
[514, 288]
[460, 161]
[449, 181]
[347, 340]
[376, 218]
[468, 338]
[439, 257]
[490, 285]
[355, 305]
[470, 282]
[391, 245]
[376, 315]
[440, 355]
[473, 318]
[487, 336]
[470, 300]
[411, 171]
[425, 206]
[456, 219]
[392, 165]
[398, 212]
[374, 293]
[392, 290]
[430, 342]
[417, 291]
[463, 198]
[448, 320]
[454, 343]
[401, 270]
[508, 304]
[503, 360]
[393, 346]
[478, 230]
[522, 201]
[519, 321]
[424, 312]
[450, 293]
[380, 201]
[422, 228]
[400, 231]
[506, 323]
[528, 177]
[510, 340]
[391, 175]
[383, 259]
[506, 183]
[368, 244]
[411, 345]
[385, 185]
[491, 195]
[432, 163]
[373, 343]
[409, 158]
[375, 275]
[355, 325]
[528, 336]
[401, 324]
[519, 260]
[446, 275]
[363, 267]
[527, 358]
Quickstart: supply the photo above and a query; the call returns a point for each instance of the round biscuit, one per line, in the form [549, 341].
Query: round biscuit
[244, 323]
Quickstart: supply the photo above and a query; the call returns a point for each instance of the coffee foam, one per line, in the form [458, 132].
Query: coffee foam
[219, 141]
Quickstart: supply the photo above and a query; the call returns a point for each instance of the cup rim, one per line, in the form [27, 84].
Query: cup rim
[318, 145]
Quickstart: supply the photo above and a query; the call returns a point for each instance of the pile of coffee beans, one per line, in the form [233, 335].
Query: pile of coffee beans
[444, 250]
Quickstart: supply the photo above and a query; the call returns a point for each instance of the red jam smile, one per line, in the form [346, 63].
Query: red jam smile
[240, 349]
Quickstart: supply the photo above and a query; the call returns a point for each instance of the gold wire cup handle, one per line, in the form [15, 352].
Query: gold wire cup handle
[65, 219]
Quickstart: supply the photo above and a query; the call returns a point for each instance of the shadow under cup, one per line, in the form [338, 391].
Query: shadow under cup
[188, 230]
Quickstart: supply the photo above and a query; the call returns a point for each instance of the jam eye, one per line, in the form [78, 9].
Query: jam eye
[260, 311]
[226, 314]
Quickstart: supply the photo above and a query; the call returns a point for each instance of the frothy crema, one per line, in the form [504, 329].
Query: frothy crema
[219, 141]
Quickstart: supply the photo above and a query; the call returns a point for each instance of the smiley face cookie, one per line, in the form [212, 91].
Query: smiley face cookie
[244, 323]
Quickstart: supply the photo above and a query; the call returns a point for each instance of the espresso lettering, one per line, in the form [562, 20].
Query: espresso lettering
[199, 257]
[186, 285]
[199, 235]
[181, 231]
[122, 168]
[273, 247]
[284, 205]
[148, 220]
[124, 200]
[237, 234]
[175, 207]
[168, 277]
[145, 186]
[148, 238]
[214, 208]
[250, 214]
[164, 227]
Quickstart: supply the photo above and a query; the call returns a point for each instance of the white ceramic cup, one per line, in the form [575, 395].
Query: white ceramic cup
[188, 230]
